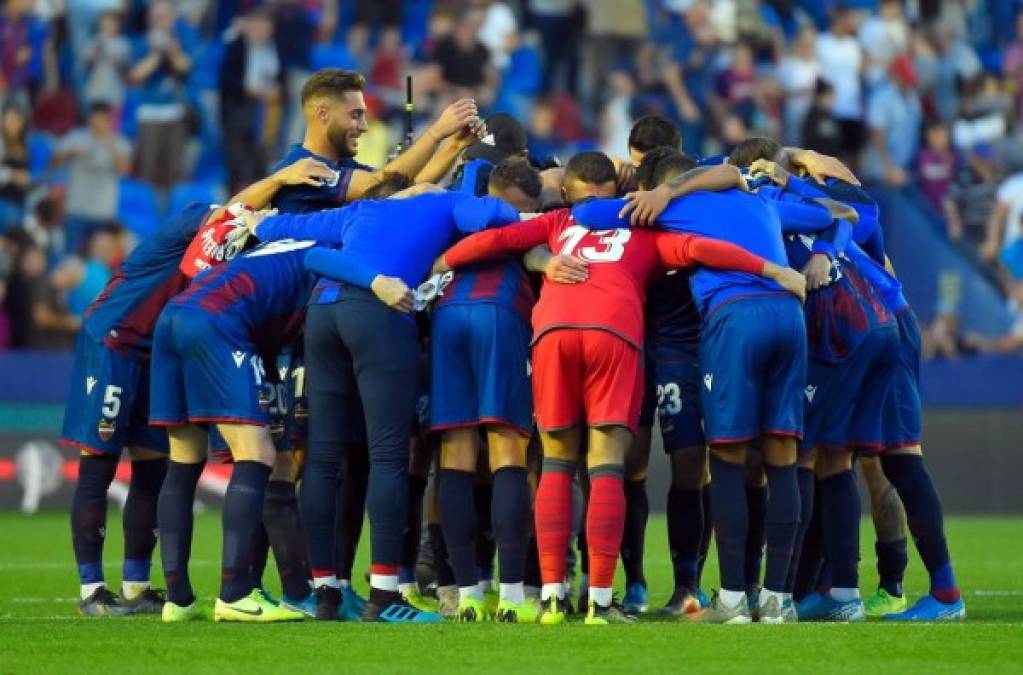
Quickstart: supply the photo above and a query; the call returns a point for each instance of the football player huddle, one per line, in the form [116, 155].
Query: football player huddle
[464, 339]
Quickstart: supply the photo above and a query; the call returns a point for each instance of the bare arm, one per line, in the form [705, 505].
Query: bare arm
[306, 171]
[411, 162]
[994, 229]
[562, 269]
[647, 205]
[440, 164]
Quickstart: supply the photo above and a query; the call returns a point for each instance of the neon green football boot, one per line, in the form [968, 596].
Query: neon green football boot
[553, 612]
[510, 612]
[883, 602]
[254, 608]
[471, 610]
[172, 613]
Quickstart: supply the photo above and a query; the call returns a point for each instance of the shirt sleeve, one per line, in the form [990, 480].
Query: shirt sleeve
[492, 243]
[802, 217]
[600, 214]
[834, 241]
[473, 214]
[323, 227]
[686, 250]
[340, 265]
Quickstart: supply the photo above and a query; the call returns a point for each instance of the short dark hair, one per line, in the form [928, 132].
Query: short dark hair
[646, 168]
[389, 183]
[754, 148]
[332, 82]
[652, 131]
[100, 107]
[592, 167]
[517, 172]
[670, 167]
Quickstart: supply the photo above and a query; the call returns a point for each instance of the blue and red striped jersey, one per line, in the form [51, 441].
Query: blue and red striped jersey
[504, 282]
[260, 294]
[306, 198]
[125, 313]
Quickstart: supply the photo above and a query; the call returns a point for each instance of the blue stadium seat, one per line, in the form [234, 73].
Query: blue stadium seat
[415, 16]
[206, 71]
[40, 152]
[327, 55]
[204, 192]
[137, 207]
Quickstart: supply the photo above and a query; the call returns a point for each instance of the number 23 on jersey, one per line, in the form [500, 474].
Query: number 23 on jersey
[598, 246]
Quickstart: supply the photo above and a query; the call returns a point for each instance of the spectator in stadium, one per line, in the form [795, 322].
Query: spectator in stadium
[894, 118]
[936, 165]
[615, 29]
[797, 76]
[26, 48]
[883, 37]
[840, 58]
[85, 278]
[462, 62]
[38, 313]
[15, 179]
[1003, 226]
[159, 74]
[499, 32]
[558, 23]
[971, 198]
[96, 156]
[251, 88]
[107, 58]
[371, 15]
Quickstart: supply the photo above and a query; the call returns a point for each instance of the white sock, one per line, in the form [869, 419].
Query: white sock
[466, 592]
[133, 589]
[384, 582]
[407, 588]
[325, 581]
[844, 594]
[513, 593]
[766, 595]
[601, 596]
[89, 589]
[552, 591]
[531, 591]
[731, 599]
[344, 583]
[486, 585]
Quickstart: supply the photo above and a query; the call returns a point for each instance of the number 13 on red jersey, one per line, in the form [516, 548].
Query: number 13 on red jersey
[610, 248]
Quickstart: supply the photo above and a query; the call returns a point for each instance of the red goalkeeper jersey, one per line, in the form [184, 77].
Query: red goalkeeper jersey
[622, 264]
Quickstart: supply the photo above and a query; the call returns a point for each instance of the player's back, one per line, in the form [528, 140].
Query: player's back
[261, 293]
[125, 313]
[622, 263]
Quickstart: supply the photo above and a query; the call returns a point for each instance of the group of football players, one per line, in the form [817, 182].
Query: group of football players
[369, 341]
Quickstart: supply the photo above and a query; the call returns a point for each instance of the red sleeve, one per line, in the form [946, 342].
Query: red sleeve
[686, 250]
[511, 238]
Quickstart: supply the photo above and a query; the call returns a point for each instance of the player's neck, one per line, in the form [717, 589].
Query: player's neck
[320, 147]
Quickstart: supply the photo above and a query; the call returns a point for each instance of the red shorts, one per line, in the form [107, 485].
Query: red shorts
[586, 377]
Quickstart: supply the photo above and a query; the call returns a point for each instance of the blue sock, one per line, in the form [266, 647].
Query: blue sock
[910, 478]
[805, 480]
[891, 565]
[282, 525]
[637, 512]
[89, 514]
[731, 521]
[486, 545]
[511, 519]
[406, 575]
[841, 509]
[782, 521]
[243, 510]
[458, 521]
[756, 504]
[139, 517]
[175, 519]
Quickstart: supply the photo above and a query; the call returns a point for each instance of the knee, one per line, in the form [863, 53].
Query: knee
[688, 466]
[833, 463]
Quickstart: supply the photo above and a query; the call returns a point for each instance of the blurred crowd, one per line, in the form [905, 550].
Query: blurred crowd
[115, 112]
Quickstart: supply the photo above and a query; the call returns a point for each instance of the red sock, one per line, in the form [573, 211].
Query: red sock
[605, 522]
[554, 519]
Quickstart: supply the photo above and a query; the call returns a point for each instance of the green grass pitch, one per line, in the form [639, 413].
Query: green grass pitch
[40, 632]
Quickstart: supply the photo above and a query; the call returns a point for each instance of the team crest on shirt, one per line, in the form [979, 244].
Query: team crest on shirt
[708, 381]
[810, 391]
[106, 429]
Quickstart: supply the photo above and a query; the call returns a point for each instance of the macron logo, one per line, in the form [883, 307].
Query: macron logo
[239, 357]
[90, 384]
[810, 391]
[708, 381]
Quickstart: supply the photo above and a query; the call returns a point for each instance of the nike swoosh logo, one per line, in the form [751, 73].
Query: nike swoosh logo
[259, 611]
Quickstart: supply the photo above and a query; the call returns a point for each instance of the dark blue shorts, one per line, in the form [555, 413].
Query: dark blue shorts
[845, 401]
[480, 368]
[203, 373]
[902, 406]
[753, 365]
[108, 402]
[677, 387]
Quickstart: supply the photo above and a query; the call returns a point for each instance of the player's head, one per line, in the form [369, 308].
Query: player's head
[390, 183]
[651, 160]
[334, 108]
[589, 174]
[757, 147]
[671, 167]
[649, 132]
[517, 182]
